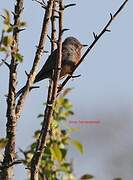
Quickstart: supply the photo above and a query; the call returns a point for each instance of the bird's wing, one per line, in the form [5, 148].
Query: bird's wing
[46, 71]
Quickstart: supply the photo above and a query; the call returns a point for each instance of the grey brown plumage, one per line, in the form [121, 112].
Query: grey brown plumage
[71, 54]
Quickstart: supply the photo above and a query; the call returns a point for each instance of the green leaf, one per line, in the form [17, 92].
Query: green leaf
[67, 104]
[1, 156]
[9, 29]
[47, 154]
[33, 146]
[18, 57]
[6, 17]
[78, 145]
[3, 142]
[86, 176]
[37, 134]
[65, 167]
[118, 178]
[22, 24]
[3, 49]
[7, 41]
[56, 152]
[43, 163]
[29, 156]
[68, 177]
[64, 153]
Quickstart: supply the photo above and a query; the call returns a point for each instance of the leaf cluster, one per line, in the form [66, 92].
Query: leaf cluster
[54, 163]
[7, 42]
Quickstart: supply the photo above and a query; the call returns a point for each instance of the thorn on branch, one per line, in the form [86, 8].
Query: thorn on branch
[51, 40]
[12, 164]
[20, 30]
[43, 4]
[26, 74]
[34, 87]
[16, 162]
[44, 7]
[59, 88]
[3, 16]
[108, 30]
[75, 76]
[95, 36]
[53, 17]
[4, 61]
[40, 49]
[56, 17]
[69, 5]
[111, 16]
[63, 30]
[46, 51]
[14, 14]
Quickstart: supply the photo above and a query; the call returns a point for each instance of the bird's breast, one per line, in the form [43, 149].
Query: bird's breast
[66, 68]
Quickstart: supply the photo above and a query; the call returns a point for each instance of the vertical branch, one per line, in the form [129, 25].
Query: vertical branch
[37, 58]
[53, 44]
[10, 149]
[53, 28]
[52, 92]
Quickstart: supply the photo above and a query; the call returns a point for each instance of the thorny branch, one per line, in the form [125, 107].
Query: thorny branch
[96, 38]
[10, 149]
[37, 58]
[52, 92]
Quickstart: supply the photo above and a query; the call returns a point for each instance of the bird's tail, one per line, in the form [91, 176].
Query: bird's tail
[20, 92]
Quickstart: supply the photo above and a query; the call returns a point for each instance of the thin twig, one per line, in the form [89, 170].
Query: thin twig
[12, 164]
[4, 61]
[69, 5]
[43, 4]
[96, 38]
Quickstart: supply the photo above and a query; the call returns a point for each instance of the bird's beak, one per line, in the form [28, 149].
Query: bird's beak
[84, 45]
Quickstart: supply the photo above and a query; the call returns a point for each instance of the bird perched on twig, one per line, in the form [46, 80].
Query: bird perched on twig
[71, 54]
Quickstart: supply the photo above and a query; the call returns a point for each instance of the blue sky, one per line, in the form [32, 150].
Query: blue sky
[104, 91]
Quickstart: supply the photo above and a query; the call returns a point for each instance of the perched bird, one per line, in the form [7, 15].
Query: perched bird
[71, 54]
